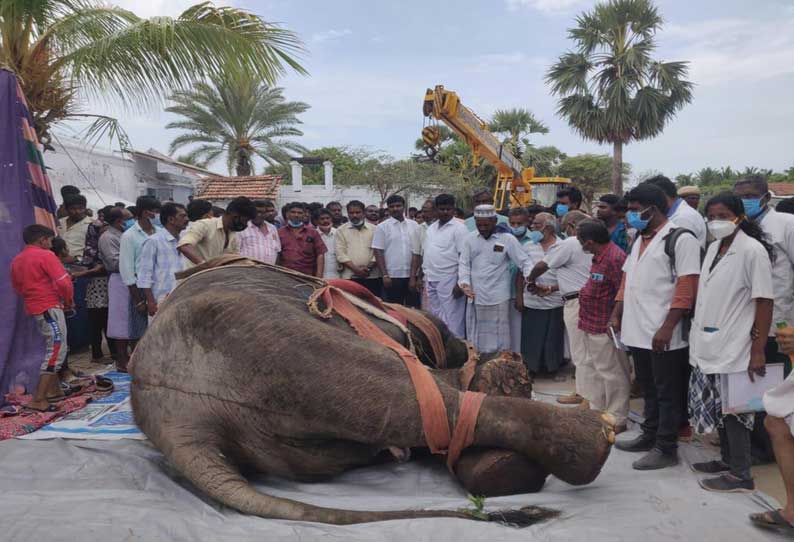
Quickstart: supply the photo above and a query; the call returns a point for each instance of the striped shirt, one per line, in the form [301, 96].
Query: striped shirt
[260, 242]
[158, 263]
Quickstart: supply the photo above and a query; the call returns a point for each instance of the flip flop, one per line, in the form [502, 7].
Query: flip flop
[778, 523]
[50, 408]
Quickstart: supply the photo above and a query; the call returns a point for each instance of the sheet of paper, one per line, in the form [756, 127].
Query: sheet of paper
[616, 340]
[740, 395]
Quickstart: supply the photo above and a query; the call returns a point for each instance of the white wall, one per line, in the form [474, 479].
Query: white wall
[110, 173]
[343, 194]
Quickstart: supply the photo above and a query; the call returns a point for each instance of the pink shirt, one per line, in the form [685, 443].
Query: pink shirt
[260, 242]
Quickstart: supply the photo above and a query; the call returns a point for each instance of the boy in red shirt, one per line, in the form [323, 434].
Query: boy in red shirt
[39, 278]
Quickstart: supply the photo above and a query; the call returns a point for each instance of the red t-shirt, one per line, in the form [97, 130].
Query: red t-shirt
[39, 278]
[300, 248]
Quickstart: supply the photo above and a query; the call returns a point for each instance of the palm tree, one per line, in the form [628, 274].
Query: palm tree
[610, 88]
[516, 124]
[239, 116]
[64, 51]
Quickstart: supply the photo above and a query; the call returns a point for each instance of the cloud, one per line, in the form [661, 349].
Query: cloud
[329, 35]
[547, 6]
[729, 50]
[154, 8]
[504, 61]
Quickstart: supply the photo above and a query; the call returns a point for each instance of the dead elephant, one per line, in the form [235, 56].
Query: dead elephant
[234, 372]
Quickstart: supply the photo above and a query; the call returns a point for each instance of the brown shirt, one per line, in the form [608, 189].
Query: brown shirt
[300, 248]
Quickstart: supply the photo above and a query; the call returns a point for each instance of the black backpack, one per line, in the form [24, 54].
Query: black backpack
[670, 241]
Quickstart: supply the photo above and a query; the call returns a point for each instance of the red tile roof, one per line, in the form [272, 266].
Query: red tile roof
[782, 189]
[254, 187]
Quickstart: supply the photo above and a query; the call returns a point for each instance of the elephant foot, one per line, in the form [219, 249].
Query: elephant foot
[505, 375]
[493, 473]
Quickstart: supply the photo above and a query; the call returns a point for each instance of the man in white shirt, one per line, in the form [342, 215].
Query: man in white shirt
[260, 240]
[654, 297]
[572, 265]
[483, 196]
[392, 246]
[324, 220]
[484, 276]
[439, 254]
[679, 212]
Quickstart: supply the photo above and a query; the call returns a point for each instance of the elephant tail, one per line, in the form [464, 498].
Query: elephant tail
[212, 472]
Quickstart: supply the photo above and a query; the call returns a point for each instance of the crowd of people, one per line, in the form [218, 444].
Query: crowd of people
[639, 284]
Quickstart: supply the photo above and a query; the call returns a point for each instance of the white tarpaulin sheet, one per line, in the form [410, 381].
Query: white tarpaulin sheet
[73, 490]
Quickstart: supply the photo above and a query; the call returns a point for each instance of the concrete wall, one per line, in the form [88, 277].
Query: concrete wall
[110, 173]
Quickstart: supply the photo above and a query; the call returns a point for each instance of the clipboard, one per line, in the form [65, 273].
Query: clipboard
[739, 395]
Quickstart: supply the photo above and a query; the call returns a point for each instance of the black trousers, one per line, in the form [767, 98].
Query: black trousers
[735, 447]
[400, 293]
[373, 285]
[663, 377]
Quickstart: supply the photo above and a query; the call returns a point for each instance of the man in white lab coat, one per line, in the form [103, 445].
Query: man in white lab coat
[679, 212]
[650, 307]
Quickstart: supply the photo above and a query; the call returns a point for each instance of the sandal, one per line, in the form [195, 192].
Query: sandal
[778, 522]
[103, 384]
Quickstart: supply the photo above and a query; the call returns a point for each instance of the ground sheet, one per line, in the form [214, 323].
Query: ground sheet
[89, 490]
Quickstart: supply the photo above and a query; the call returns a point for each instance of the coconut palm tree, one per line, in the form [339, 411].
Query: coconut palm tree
[516, 124]
[610, 88]
[237, 116]
[65, 51]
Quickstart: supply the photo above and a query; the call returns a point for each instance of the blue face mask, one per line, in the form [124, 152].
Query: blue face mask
[752, 207]
[156, 222]
[562, 209]
[519, 231]
[127, 224]
[635, 220]
[295, 223]
[535, 236]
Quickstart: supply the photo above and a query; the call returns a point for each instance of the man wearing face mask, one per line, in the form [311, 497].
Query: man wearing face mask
[572, 265]
[354, 249]
[568, 199]
[542, 321]
[519, 221]
[147, 209]
[603, 375]
[650, 307]
[302, 247]
[109, 247]
[779, 231]
[213, 237]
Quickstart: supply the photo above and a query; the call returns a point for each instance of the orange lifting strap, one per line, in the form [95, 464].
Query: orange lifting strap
[423, 324]
[432, 410]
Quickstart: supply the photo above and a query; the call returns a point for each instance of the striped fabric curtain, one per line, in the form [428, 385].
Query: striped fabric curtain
[25, 198]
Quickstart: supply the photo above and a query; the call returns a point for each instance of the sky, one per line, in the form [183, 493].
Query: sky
[371, 61]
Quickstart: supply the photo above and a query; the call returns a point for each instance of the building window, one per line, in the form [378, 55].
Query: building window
[162, 194]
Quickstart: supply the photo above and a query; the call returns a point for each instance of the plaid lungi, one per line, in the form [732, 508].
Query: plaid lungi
[705, 404]
[488, 326]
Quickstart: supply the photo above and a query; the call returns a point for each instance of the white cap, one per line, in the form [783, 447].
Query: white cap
[484, 211]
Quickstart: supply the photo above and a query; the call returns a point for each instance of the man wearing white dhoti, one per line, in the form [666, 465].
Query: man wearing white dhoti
[484, 276]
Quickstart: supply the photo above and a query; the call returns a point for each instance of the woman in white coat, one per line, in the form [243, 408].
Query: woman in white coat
[732, 317]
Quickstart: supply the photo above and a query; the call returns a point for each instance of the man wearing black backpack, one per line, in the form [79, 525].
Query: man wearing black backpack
[658, 291]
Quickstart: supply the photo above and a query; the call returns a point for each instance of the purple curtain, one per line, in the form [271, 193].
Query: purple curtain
[25, 198]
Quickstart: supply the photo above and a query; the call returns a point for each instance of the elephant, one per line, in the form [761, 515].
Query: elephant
[234, 374]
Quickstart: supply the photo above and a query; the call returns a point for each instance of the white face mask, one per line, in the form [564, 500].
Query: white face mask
[721, 229]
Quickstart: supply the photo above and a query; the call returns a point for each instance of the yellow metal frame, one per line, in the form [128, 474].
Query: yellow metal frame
[512, 177]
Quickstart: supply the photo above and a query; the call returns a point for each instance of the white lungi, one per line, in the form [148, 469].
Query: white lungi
[515, 327]
[779, 401]
[488, 326]
[443, 305]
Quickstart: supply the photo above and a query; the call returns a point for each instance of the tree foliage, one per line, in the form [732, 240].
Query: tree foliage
[515, 125]
[610, 88]
[591, 173]
[712, 181]
[67, 50]
[236, 116]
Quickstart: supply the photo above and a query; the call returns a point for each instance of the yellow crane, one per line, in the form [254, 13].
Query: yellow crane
[512, 177]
